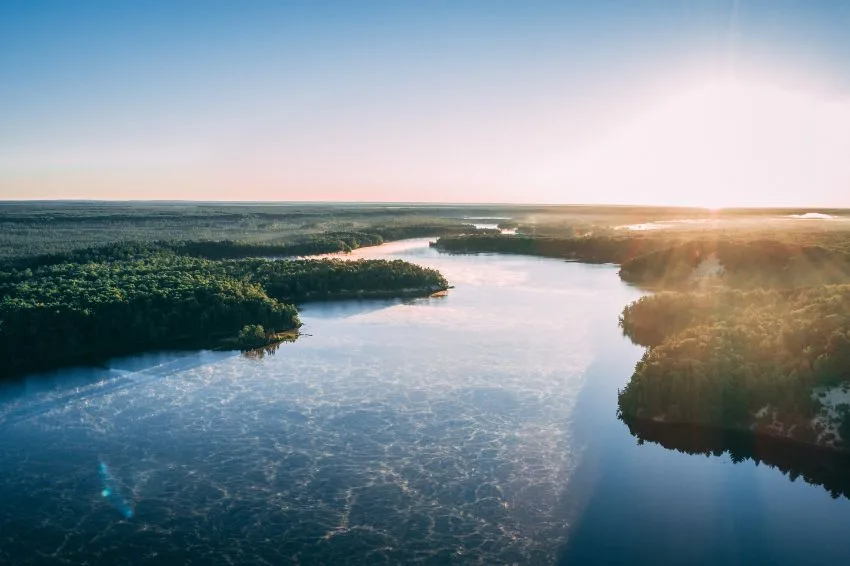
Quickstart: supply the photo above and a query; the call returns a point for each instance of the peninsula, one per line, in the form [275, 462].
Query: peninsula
[748, 328]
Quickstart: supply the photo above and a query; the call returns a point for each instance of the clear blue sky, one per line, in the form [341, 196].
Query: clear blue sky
[604, 101]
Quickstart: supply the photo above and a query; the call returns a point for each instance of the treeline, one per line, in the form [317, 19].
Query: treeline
[306, 280]
[35, 229]
[670, 260]
[607, 249]
[329, 242]
[324, 243]
[84, 311]
[765, 263]
[314, 244]
[719, 358]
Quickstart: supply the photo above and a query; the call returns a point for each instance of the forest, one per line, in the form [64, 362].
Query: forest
[330, 242]
[668, 259]
[721, 357]
[30, 229]
[746, 263]
[597, 249]
[756, 342]
[83, 281]
[129, 299]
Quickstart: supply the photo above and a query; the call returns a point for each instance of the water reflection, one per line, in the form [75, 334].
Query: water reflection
[271, 349]
[825, 468]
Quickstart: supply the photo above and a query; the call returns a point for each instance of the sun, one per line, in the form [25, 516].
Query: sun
[721, 144]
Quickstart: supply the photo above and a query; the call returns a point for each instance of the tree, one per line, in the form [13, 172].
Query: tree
[252, 336]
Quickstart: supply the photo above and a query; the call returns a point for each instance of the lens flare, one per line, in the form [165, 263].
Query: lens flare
[112, 493]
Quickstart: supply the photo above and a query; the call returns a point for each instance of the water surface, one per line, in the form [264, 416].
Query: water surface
[474, 428]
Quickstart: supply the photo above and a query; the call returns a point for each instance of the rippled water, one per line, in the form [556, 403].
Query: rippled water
[475, 428]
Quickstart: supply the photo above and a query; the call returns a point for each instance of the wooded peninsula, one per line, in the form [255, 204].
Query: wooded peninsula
[748, 329]
[86, 304]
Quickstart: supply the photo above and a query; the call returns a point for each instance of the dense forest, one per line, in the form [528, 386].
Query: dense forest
[736, 359]
[130, 299]
[602, 249]
[745, 263]
[330, 242]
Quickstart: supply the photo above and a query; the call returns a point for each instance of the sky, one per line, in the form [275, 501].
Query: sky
[677, 102]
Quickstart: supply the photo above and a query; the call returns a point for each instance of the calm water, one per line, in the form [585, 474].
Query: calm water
[475, 428]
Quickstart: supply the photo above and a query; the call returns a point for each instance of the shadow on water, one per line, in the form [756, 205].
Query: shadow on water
[45, 391]
[594, 429]
[56, 388]
[345, 308]
[646, 498]
[627, 504]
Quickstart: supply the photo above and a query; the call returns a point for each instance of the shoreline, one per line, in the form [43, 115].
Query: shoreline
[227, 342]
[755, 432]
[818, 465]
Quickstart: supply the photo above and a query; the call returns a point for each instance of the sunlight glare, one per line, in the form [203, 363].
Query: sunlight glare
[724, 143]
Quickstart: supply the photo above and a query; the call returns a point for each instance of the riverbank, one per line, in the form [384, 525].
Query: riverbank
[753, 338]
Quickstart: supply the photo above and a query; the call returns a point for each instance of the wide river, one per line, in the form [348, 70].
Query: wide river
[479, 427]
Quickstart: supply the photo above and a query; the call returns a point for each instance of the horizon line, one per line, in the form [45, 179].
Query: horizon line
[4, 202]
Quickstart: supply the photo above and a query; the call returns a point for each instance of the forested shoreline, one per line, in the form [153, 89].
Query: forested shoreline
[668, 261]
[604, 249]
[751, 360]
[745, 332]
[328, 242]
[124, 299]
[81, 282]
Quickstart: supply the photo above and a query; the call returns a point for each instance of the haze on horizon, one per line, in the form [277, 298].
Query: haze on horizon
[703, 103]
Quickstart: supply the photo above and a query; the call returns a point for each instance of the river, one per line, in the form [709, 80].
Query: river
[479, 427]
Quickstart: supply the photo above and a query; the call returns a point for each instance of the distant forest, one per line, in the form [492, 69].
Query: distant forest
[42, 228]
